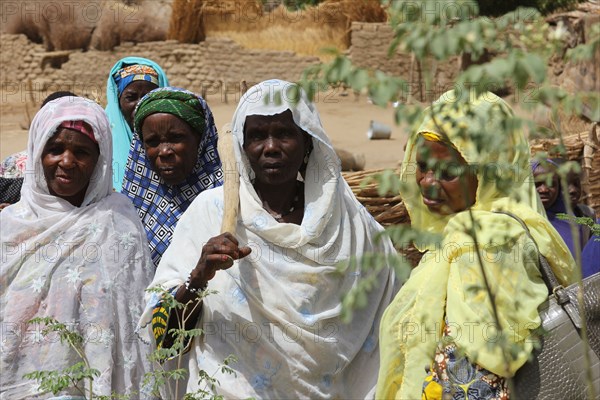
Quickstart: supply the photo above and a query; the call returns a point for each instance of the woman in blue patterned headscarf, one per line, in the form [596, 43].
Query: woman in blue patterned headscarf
[129, 80]
[173, 158]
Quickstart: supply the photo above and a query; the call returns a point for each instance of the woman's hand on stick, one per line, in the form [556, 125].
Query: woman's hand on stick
[218, 253]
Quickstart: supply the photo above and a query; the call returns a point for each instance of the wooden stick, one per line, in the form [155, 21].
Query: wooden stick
[231, 185]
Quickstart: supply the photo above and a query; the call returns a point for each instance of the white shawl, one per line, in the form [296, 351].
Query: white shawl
[84, 266]
[278, 310]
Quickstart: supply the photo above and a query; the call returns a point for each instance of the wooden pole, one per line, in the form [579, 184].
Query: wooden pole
[231, 184]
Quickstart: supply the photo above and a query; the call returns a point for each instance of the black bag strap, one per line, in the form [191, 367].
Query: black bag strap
[552, 283]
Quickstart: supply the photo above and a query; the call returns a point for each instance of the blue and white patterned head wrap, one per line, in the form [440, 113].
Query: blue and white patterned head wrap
[135, 72]
[159, 205]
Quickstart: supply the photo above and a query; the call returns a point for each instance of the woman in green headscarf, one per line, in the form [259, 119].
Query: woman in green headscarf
[173, 158]
[442, 335]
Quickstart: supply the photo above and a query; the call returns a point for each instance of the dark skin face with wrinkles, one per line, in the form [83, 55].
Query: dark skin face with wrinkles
[574, 185]
[171, 145]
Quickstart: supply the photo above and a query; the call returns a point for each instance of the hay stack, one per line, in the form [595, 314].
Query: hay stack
[343, 12]
[233, 15]
[187, 21]
[192, 20]
[255, 24]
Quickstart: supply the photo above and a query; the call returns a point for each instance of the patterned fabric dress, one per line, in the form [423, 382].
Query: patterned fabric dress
[10, 189]
[13, 166]
[453, 376]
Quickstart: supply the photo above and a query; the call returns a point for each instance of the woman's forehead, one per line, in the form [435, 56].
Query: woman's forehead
[544, 169]
[284, 117]
[281, 120]
[72, 137]
[437, 150]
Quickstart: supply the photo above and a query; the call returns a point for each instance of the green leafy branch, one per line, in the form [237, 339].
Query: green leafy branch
[57, 381]
[70, 377]
[210, 383]
[163, 377]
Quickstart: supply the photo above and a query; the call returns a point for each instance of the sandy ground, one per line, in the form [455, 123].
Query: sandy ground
[345, 118]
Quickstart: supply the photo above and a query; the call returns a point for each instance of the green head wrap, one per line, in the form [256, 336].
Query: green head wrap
[178, 102]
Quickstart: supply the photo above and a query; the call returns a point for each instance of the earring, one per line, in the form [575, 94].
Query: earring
[306, 157]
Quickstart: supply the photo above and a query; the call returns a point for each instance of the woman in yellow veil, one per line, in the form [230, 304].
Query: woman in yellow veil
[461, 325]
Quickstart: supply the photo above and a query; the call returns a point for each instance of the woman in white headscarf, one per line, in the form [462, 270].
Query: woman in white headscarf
[278, 306]
[74, 251]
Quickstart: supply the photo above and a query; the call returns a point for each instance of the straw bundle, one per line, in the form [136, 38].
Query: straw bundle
[233, 15]
[591, 167]
[573, 143]
[593, 199]
[387, 209]
[355, 10]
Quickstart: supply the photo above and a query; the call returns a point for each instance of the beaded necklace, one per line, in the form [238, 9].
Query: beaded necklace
[279, 216]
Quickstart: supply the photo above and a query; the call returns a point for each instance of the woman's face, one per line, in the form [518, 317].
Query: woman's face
[275, 147]
[444, 179]
[68, 159]
[132, 94]
[548, 192]
[171, 145]
[574, 182]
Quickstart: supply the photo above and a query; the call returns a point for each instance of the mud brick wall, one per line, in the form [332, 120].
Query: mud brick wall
[369, 49]
[214, 65]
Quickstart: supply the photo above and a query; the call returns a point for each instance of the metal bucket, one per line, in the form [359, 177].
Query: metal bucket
[378, 130]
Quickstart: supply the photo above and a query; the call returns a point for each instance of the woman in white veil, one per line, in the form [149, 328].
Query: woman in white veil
[278, 306]
[72, 250]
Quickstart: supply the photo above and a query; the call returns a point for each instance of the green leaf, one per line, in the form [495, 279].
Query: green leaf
[520, 74]
[536, 67]
[359, 79]
[438, 47]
